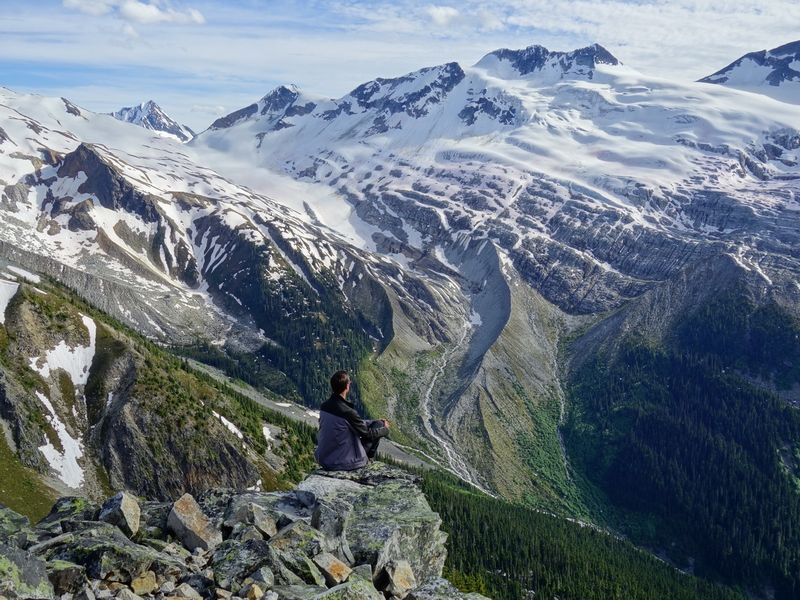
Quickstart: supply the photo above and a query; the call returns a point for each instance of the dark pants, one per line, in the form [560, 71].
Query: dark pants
[371, 447]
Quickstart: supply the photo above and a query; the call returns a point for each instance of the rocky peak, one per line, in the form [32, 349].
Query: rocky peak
[766, 71]
[538, 59]
[366, 534]
[279, 98]
[413, 93]
[151, 116]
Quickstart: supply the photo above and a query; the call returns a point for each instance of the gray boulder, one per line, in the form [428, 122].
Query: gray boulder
[191, 526]
[396, 579]
[390, 521]
[123, 511]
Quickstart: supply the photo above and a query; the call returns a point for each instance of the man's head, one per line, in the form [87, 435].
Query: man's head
[340, 383]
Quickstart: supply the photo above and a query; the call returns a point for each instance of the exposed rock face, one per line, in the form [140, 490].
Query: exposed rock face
[395, 537]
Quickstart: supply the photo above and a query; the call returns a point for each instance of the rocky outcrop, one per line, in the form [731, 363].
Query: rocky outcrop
[359, 535]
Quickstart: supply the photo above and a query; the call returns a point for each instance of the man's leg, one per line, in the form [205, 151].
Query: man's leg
[371, 447]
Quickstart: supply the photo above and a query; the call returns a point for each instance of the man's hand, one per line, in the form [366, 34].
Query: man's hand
[385, 423]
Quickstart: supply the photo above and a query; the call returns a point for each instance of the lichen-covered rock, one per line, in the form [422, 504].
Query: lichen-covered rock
[123, 511]
[242, 516]
[298, 591]
[441, 589]
[295, 545]
[390, 519]
[187, 521]
[66, 577]
[23, 576]
[69, 508]
[375, 518]
[233, 561]
[262, 576]
[107, 554]
[15, 529]
[330, 516]
[153, 519]
[358, 589]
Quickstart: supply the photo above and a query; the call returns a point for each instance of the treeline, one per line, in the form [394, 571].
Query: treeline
[681, 437]
[510, 552]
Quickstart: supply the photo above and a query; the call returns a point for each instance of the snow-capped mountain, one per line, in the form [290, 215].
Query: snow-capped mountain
[159, 241]
[595, 180]
[150, 116]
[774, 73]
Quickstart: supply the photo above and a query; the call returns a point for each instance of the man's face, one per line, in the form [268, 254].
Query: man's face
[347, 388]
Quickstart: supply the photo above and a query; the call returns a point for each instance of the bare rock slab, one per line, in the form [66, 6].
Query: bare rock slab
[123, 511]
[187, 521]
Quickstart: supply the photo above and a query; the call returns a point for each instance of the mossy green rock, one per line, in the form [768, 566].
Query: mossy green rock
[69, 508]
[23, 576]
[358, 589]
[15, 529]
[66, 577]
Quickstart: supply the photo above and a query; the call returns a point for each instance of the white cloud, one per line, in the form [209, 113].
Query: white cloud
[90, 7]
[138, 11]
[144, 13]
[442, 15]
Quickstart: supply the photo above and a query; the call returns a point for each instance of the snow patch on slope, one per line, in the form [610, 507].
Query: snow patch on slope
[65, 463]
[8, 290]
[76, 361]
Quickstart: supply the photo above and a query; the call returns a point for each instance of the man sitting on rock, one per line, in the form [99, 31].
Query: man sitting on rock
[346, 441]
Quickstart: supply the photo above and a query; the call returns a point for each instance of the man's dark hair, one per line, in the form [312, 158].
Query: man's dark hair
[339, 381]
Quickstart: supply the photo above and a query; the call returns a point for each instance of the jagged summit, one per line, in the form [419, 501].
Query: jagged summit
[774, 73]
[283, 101]
[537, 59]
[151, 116]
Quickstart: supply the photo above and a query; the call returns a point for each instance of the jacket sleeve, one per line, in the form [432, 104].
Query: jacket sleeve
[361, 428]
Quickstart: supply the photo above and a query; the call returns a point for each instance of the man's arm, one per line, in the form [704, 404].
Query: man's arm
[361, 428]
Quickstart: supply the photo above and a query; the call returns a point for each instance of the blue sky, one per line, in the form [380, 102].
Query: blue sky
[200, 59]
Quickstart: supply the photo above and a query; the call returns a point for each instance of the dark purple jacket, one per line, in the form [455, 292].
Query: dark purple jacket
[341, 430]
